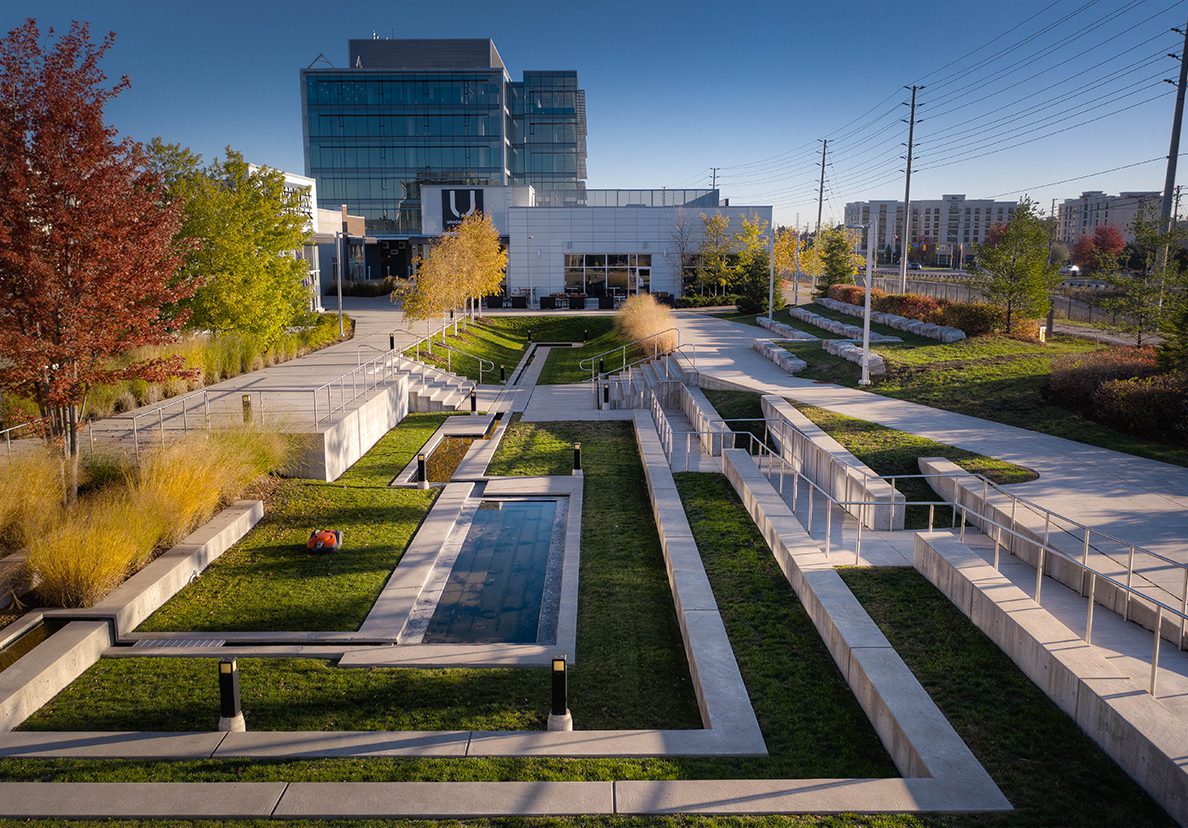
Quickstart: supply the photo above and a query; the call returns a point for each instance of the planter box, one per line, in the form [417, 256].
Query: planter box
[494, 301]
[548, 303]
[606, 303]
[577, 301]
[520, 302]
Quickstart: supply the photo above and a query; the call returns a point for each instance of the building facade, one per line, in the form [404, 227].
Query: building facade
[1078, 217]
[944, 231]
[409, 114]
[607, 243]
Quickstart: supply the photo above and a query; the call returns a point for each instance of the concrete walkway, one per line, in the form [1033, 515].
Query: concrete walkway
[1142, 501]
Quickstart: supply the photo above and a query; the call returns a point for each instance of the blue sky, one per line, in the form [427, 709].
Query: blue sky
[674, 88]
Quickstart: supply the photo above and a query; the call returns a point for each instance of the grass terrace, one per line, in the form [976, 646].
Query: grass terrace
[887, 451]
[502, 340]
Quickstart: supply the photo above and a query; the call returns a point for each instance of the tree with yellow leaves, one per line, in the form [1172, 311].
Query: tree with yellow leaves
[483, 258]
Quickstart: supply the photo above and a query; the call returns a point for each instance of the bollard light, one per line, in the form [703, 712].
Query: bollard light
[606, 392]
[585, 334]
[559, 716]
[422, 474]
[473, 401]
[502, 373]
[577, 456]
[230, 711]
[601, 365]
[247, 408]
[391, 342]
[529, 334]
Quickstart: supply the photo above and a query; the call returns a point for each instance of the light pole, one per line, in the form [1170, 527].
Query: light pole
[529, 256]
[872, 232]
[771, 270]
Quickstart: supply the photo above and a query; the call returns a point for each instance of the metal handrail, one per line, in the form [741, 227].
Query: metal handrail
[598, 381]
[380, 369]
[483, 364]
[589, 362]
[159, 410]
[773, 457]
[8, 432]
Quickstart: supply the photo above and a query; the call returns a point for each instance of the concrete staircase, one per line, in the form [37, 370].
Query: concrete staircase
[432, 389]
[628, 388]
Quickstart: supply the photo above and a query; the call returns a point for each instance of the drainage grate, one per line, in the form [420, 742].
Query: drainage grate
[179, 643]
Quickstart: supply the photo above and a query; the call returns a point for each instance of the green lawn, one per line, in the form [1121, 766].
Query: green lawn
[1048, 768]
[993, 377]
[268, 581]
[502, 340]
[885, 450]
[779, 316]
[563, 363]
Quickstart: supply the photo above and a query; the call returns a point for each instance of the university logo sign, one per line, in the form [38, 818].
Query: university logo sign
[457, 204]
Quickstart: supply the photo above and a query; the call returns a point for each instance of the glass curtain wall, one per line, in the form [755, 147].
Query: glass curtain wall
[608, 274]
[375, 138]
[548, 131]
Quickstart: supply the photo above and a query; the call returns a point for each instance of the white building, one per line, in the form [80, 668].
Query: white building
[1078, 217]
[607, 243]
[943, 230]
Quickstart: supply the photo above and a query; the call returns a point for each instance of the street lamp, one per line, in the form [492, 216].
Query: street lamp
[872, 232]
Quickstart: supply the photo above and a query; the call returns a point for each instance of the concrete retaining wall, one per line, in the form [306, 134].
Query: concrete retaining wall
[956, 485]
[334, 448]
[40, 674]
[915, 733]
[827, 463]
[704, 417]
[852, 352]
[784, 331]
[782, 358]
[1140, 734]
[839, 328]
[942, 333]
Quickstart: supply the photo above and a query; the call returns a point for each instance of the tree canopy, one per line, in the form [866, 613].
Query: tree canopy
[1012, 268]
[246, 226]
[460, 267]
[89, 250]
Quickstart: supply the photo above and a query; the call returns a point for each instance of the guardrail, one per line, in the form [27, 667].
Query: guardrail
[10, 431]
[352, 384]
[778, 470]
[600, 382]
[591, 362]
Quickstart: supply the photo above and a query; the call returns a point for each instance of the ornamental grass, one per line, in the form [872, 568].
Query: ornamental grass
[111, 533]
[642, 316]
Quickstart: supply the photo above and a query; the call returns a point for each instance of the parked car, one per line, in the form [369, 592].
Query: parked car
[915, 266]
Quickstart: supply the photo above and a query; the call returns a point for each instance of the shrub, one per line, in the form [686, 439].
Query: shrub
[30, 496]
[1151, 406]
[851, 294]
[642, 316]
[975, 318]
[909, 305]
[1075, 378]
[696, 301]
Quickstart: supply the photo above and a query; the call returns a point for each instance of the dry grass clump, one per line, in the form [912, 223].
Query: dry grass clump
[30, 497]
[109, 535]
[640, 317]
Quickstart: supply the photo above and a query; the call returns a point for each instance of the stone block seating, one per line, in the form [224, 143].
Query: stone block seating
[770, 350]
[784, 331]
[852, 352]
[943, 333]
[840, 328]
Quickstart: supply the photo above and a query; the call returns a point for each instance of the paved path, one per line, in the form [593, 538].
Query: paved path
[1142, 501]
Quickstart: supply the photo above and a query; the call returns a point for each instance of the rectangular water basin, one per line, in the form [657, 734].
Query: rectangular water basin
[504, 584]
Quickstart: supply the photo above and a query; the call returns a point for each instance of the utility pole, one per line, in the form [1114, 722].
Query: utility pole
[714, 177]
[907, 194]
[821, 188]
[1169, 181]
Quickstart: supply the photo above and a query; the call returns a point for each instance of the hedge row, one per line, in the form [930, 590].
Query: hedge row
[1122, 387]
[975, 318]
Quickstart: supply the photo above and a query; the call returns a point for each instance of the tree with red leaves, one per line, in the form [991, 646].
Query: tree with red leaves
[87, 251]
[1101, 250]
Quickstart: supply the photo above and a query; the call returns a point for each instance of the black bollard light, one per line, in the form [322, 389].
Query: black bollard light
[601, 365]
[422, 474]
[247, 408]
[559, 717]
[529, 334]
[230, 712]
[585, 334]
[606, 393]
[473, 401]
[502, 373]
[577, 457]
[391, 342]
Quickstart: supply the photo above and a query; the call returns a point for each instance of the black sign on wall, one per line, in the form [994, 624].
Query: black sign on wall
[457, 204]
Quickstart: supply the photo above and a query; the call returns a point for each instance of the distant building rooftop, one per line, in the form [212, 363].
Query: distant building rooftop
[424, 53]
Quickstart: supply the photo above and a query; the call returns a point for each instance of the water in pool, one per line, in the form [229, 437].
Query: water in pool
[502, 577]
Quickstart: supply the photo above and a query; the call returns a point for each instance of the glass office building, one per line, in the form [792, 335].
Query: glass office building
[410, 113]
